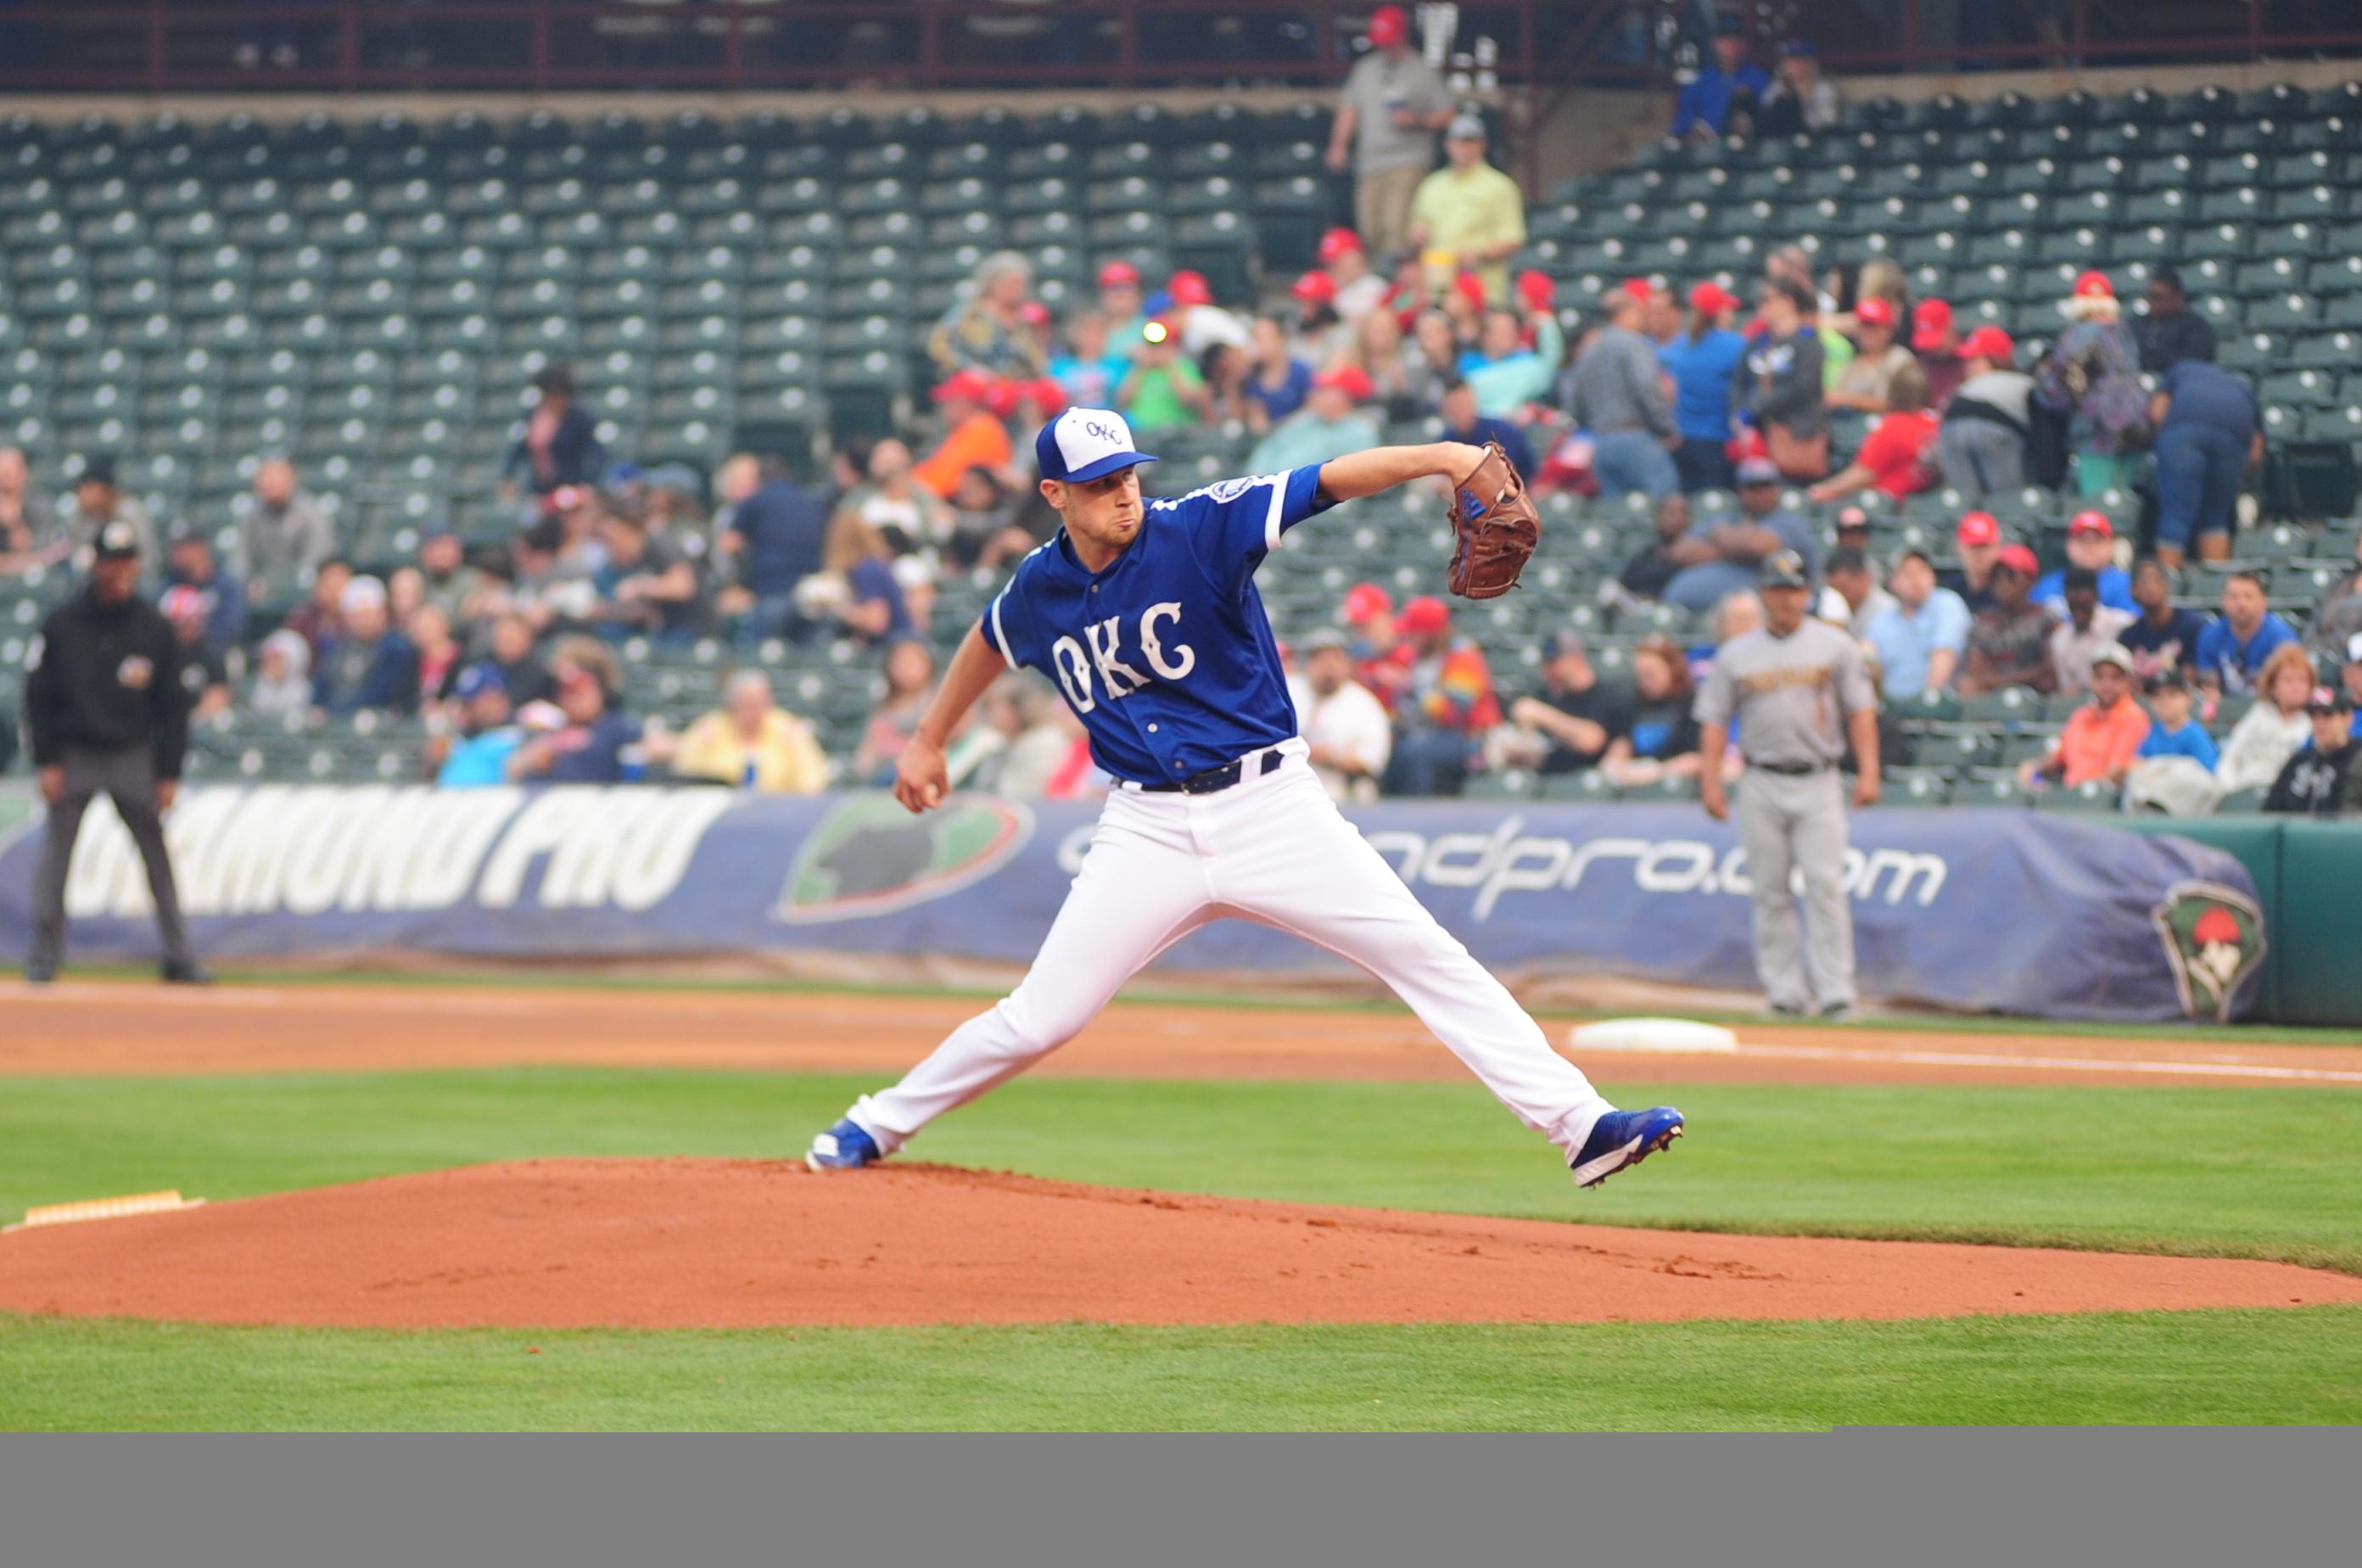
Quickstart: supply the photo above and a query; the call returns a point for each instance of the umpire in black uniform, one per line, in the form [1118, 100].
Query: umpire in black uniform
[107, 711]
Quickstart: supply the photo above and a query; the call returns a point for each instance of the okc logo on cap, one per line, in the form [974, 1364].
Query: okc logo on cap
[1085, 442]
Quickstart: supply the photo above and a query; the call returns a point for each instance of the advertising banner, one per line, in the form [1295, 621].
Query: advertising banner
[1999, 910]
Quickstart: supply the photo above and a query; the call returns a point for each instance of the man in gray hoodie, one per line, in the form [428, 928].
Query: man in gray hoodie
[1617, 394]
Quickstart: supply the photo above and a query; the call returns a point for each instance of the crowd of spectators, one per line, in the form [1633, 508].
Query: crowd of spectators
[1399, 704]
[1717, 408]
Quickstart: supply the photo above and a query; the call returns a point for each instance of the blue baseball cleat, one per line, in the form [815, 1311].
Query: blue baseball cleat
[843, 1147]
[1624, 1138]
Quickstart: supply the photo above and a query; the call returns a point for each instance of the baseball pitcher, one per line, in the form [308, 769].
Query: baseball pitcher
[1146, 616]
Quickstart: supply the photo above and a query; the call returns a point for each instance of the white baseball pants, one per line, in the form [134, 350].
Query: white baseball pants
[1272, 849]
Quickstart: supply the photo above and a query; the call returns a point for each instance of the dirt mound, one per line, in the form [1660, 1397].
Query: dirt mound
[665, 1243]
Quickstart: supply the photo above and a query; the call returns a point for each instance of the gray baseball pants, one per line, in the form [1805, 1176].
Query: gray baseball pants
[128, 778]
[1788, 824]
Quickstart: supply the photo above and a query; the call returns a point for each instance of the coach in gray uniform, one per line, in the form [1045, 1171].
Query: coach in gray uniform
[108, 714]
[1796, 689]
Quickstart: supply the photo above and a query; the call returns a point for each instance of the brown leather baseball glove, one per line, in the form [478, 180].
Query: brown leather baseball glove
[1499, 529]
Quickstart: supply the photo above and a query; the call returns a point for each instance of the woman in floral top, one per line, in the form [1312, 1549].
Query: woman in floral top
[987, 330]
[2093, 376]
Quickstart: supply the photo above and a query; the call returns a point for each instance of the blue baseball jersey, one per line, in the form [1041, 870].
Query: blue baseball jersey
[1166, 656]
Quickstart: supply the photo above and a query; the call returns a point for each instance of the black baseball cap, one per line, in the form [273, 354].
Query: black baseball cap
[2329, 699]
[118, 541]
[96, 470]
[2169, 678]
[1784, 569]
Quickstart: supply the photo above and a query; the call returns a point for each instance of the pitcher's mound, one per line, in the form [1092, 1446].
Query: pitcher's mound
[667, 1243]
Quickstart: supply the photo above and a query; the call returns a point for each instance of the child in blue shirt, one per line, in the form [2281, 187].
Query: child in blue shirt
[2173, 735]
[1089, 374]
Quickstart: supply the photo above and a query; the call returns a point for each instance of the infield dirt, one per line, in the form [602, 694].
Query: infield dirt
[685, 1243]
[130, 1028]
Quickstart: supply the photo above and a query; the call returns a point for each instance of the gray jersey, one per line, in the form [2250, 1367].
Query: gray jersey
[1376, 87]
[1617, 386]
[1790, 695]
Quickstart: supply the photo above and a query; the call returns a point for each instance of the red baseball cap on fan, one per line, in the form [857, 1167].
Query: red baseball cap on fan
[1367, 602]
[2019, 559]
[1639, 288]
[1423, 617]
[1930, 320]
[1044, 394]
[1989, 343]
[1351, 380]
[1979, 528]
[1314, 288]
[1116, 273]
[1190, 288]
[1336, 243]
[2091, 522]
[1388, 26]
[1713, 299]
[1537, 288]
[1874, 312]
[2094, 286]
[967, 386]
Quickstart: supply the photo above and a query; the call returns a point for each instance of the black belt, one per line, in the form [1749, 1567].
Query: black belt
[1791, 769]
[1216, 780]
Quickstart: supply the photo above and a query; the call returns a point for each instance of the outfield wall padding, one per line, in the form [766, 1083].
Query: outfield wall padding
[2308, 876]
[2008, 911]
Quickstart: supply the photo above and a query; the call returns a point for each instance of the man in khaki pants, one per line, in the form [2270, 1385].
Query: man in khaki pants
[1393, 104]
[1798, 691]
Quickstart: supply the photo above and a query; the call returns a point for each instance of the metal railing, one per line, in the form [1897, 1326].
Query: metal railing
[2075, 34]
[541, 45]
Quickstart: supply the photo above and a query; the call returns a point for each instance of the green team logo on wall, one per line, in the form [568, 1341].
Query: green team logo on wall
[2214, 938]
[869, 856]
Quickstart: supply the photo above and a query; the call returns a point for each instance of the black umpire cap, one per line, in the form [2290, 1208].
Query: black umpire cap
[117, 541]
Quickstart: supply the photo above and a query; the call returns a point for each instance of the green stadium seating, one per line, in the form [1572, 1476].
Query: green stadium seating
[189, 297]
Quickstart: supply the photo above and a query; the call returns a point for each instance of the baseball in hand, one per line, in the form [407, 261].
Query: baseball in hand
[920, 777]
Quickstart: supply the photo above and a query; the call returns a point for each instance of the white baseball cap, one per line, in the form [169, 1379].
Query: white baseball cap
[1084, 443]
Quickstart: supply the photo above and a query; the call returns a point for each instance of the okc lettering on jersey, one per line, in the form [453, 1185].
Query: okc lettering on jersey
[1119, 678]
[1166, 656]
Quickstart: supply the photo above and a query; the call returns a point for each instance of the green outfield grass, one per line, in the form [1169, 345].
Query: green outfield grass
[2252, 1172]
[2302, 1365]
[2263, 1173]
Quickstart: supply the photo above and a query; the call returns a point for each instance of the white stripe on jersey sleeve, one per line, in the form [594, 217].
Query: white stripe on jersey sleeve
[997, 635]
[1279, 500]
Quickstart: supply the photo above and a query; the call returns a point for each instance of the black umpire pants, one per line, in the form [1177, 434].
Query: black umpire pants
[128, 778]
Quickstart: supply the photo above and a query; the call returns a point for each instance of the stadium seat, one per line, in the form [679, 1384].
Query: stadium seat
[1989, 787]
[1510, 784]
[1915, 787]
[2010, 704]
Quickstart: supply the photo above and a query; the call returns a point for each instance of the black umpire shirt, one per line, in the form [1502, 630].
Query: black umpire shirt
[108, 680]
